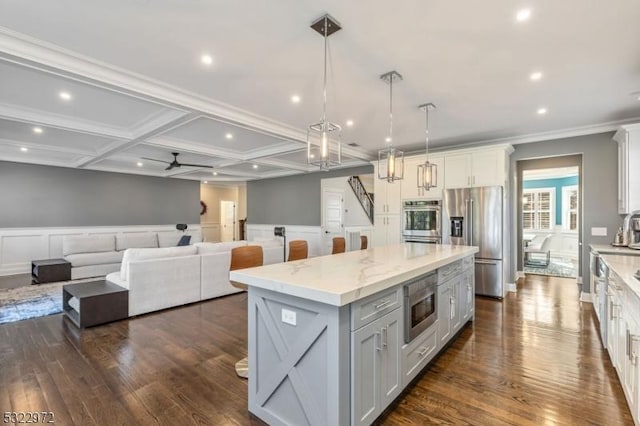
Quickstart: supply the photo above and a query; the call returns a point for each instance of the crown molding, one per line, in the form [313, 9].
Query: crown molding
[49, 148]
[32, 116]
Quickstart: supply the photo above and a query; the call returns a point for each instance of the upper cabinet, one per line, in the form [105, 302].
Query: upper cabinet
[410, 182]
[386, 195]
[480, 167]
[628, 138]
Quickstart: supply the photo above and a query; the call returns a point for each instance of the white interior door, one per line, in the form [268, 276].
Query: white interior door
[227, 220]
[332, 216]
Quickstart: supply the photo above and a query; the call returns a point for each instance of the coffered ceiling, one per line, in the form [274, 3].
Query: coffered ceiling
[102, 86]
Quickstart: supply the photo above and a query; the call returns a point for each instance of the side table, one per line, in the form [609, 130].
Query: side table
[100, 302]
[50, 270]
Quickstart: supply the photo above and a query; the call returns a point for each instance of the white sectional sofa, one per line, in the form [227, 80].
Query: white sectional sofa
[99, 255]
[165, 277]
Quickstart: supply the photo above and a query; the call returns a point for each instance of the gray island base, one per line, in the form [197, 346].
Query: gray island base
[327, 338]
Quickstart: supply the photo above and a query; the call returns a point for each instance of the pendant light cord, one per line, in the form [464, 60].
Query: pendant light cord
[391, 109]
[426, 131]
[324, 83]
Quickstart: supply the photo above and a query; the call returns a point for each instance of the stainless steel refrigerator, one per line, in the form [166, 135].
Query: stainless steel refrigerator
[474, 217]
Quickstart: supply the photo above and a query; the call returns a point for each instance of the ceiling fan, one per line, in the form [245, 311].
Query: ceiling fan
[176, 163]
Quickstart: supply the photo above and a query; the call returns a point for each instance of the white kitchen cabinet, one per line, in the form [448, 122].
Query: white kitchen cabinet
[466, 295]
[628, 139]
[387, 207]
[479, 167]
[375, 366]
[410, 189]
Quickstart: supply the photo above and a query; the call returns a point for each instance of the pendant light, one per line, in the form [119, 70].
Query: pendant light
[427, 172]
[390, 160]
[324, 148]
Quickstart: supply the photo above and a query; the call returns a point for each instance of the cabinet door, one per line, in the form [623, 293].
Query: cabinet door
[365, 373]
[457, 168]
[394, 229]
[612, 326]
[488, 168]
[391, 377]
[394, 201]
[456, 317]
[379, 234]
[622, 176]
[444, 314]
[409, 187]
[466, 296]
[630, 377]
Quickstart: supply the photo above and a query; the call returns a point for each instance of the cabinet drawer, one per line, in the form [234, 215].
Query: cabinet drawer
[467, 262]
[418, 353]
[375, 306]
[449, 271]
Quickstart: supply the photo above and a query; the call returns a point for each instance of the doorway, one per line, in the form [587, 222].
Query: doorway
[332, 225]
[227, 220]
[550, 216]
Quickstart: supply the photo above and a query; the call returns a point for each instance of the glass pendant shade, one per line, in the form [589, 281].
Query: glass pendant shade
[324, 146]
[428, 171]
[390, 159]
[390, 164]
[427, 175]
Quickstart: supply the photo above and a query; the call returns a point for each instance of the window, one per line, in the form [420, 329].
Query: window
[570, 207]
[537, 209]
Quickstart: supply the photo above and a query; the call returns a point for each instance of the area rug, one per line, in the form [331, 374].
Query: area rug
[32, 301]
[558, 267]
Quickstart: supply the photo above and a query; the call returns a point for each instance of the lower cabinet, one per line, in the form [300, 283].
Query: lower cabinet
[467, 297]
[375, 367]
[444, 314]
[417, 354]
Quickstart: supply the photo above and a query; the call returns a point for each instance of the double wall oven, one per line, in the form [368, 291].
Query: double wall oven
[421, 221]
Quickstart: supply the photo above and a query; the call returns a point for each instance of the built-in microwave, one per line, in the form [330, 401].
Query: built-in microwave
[420, 305]
[421, 220]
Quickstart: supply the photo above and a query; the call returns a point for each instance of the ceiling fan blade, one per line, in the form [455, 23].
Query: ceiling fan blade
[196, 165]
[153, 159]
[171, 166]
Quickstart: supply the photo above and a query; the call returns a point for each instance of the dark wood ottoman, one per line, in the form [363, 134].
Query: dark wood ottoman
[50, 270]
[100, 302]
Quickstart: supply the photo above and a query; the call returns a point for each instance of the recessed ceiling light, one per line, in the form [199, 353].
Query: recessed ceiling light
[37, 130]
[535, 76]
[349, 123]
[215, 173]
[387, 139]
[542, 111]
[139, 164]
[255, 166]
[295, 99]
[65, 96]
[206, 181]
[23, 149]
[206, 59]
[523, 15]
[229, 135]
[312, 156]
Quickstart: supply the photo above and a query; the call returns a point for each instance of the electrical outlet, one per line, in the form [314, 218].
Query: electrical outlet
[288, 317]
[598, 231]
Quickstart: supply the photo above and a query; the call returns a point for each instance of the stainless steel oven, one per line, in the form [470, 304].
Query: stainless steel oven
[421, 220]
[420, 305]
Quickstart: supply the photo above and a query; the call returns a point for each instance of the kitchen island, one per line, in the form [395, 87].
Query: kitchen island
[327, 334]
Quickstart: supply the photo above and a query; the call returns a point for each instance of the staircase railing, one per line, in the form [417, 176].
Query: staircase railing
[362, 195]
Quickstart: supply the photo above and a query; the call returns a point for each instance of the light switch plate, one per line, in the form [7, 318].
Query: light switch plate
[598, 231]
[288, 317]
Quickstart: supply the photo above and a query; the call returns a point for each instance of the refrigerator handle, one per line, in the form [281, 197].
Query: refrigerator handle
[470, 221]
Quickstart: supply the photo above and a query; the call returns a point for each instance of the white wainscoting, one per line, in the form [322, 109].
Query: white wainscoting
[19, 246]
[312, 234]
[210, 232]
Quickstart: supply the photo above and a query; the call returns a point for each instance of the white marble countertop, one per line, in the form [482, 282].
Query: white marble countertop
[609, 249]
[341, 279]
[624, 267]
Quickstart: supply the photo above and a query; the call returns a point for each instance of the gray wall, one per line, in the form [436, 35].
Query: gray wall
[34, 196]
[291, 200]
[599, 183]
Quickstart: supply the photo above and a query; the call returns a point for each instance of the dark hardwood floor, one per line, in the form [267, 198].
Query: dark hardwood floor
[534, 358]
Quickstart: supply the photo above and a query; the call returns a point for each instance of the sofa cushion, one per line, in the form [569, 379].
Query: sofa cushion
[218, 247]
[137, 240]
[73, 244]
[102, 258]
[134, 254]
[169, 238]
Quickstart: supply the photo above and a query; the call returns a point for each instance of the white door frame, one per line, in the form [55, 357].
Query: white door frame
[223, 205]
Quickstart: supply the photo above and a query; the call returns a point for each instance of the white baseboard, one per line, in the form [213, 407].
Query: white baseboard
[511, 287]
[585, 297]
[519, 274]
[579, 280]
